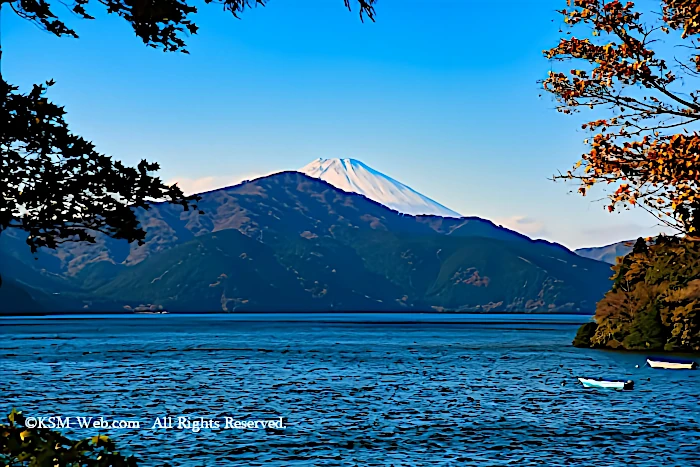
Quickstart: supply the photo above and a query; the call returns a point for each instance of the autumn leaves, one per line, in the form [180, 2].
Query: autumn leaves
[644, 148]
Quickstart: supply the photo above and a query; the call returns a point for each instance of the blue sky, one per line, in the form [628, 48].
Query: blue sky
[443, 98]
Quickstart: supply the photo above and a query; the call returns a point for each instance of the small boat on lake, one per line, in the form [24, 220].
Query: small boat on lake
[602, 384]
[671, 364]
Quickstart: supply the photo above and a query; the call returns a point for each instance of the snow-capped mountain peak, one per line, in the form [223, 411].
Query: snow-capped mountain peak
[354, 176]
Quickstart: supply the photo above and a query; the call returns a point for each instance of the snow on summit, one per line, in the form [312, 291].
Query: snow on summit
[356, 177]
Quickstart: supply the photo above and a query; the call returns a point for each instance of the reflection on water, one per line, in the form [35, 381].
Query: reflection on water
[363, 393]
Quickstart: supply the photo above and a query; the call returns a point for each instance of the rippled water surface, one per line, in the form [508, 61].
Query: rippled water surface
[371, 392]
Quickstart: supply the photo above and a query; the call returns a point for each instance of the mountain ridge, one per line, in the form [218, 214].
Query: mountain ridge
[608, 253]
[290, 241]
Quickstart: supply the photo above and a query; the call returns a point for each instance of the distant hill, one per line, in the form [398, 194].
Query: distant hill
[608, 253]
[292, 242]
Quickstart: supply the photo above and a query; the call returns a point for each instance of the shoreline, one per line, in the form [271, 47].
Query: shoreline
[313, 312]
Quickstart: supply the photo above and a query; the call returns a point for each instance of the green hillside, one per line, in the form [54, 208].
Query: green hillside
[229, 271]
[485, 274]
[373, 270]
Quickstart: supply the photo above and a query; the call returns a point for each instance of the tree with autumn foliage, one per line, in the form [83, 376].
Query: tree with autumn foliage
[646, 146]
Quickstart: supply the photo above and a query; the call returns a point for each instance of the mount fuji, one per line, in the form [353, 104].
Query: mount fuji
[354, 176]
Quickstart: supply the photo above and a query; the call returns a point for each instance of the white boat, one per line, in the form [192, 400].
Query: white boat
[595, 383]
[672, 364]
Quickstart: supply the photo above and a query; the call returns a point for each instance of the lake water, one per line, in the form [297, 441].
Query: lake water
[382, 389]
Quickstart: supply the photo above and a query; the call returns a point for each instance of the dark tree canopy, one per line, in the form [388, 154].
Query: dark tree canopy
[640, 246]
[158, 23]
[56, 187]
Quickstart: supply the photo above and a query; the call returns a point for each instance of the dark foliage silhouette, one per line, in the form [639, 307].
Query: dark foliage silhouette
[57, 188]
[159, 23]
[42, 447]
